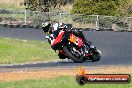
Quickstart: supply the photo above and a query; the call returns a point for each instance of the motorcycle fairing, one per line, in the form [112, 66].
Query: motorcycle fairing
[76, 40]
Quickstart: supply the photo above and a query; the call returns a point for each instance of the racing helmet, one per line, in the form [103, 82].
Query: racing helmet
[46, 26]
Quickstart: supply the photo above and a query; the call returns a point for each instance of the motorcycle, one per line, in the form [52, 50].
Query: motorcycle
[71, 44]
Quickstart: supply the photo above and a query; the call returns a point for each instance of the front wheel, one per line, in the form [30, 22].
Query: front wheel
[72, 56]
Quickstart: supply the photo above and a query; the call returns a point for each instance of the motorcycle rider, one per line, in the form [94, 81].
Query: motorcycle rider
[55, 29]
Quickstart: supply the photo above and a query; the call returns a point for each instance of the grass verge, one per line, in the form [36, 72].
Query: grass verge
[20, 51]
[59, 82]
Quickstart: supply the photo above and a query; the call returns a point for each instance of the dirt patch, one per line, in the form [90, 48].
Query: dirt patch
[111, 70]
[35, 74]
[51, 73]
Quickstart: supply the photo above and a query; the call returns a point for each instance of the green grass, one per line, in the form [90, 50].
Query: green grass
[60, 82]
[19, 51]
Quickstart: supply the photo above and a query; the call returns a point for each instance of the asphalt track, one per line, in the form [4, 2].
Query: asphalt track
[115, 47]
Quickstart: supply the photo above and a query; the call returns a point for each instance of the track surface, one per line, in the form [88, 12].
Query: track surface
[116, 47]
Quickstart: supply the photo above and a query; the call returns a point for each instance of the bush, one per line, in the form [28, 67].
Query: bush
[103, 7]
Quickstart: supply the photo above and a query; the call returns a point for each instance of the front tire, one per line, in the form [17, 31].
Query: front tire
[72, 56]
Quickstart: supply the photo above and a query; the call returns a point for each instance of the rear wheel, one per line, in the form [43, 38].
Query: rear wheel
[72, 56]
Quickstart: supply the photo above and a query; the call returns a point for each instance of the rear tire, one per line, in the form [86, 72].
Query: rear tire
[72, 56]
